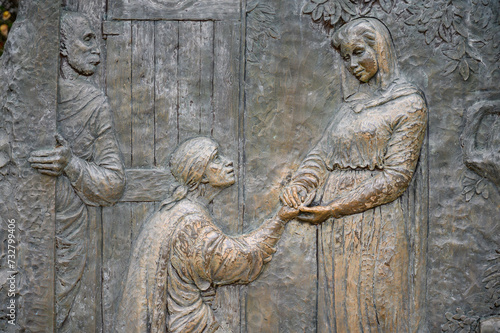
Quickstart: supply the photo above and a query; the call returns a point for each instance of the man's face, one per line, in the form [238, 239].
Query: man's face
[81, 48]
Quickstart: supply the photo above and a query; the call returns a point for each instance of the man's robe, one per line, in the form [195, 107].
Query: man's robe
[94, 177]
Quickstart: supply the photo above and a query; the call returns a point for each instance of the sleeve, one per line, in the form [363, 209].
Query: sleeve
[100, 182]
[313, 170]
[403, 151]
[215, 258]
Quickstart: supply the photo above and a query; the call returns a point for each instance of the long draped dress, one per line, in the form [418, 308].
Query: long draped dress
[94, 177]
[365, 161]
[180, 256]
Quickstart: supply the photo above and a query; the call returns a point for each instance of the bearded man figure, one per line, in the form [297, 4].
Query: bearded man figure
[86, 162]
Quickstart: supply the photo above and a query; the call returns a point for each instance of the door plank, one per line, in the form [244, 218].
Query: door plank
[175, 10]
[116, 250]
[118, 82]
[166, 93]
[189, 79]
[206, 76]
[143, 94]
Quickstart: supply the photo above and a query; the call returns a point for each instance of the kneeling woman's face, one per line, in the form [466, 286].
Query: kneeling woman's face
[220, 171]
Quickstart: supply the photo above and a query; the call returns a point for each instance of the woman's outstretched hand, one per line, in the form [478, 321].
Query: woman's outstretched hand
[287, 212]
[293, 196]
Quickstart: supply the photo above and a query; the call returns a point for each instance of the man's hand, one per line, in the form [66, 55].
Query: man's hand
[52, 162]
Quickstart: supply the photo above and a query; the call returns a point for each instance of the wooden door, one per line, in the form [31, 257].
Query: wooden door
[171, 73]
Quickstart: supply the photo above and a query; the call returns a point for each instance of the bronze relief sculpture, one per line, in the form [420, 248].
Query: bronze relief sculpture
[362, 163]
[181, 256]
[376, 225]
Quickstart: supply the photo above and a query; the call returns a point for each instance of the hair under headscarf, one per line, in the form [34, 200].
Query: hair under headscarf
[187, 164]
[378, 37]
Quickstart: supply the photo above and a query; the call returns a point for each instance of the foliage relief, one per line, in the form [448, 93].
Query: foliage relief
[449, 25]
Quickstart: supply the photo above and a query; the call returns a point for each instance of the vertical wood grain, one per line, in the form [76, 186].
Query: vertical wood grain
[143, 93]
[117, 237]
[195, 76]
[206, 76]
[189, 83]
[166, 96]
[118, 85]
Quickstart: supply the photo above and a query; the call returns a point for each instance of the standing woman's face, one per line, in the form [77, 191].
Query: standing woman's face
[359, 57]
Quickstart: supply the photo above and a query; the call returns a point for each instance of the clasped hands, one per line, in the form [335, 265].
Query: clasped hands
[296, 203]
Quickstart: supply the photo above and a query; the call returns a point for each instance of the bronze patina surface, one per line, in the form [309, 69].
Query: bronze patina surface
[250, 166]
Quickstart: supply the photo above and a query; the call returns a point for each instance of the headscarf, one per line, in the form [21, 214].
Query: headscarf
[378, 37]
[187, 164]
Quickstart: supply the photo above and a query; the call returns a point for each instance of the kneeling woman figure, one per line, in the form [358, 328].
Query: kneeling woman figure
[181, 256]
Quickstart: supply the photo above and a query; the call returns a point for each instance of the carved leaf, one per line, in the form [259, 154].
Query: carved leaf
[422, 28]
[430, 34]
[444, 34]
[366, 8]
[449, 316]
[485, 193]
[469, 196]
[447, 19]
[309, 8]
[317, 13]
[453, 54]
[252, 5]
[386, 5]
[437, 14]
[413, 9]
[329, 8]
[426, 16]
[463, 68]
[474, 66]
[467, 189]
[460, 28]
[450, 67]
[334, 18]
[348, 6]
[412, 20]
[461, 48]
[473, 53]
[319, 1]
[345, 16]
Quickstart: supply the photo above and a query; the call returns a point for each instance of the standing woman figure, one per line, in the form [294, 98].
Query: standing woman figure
[362, 164]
